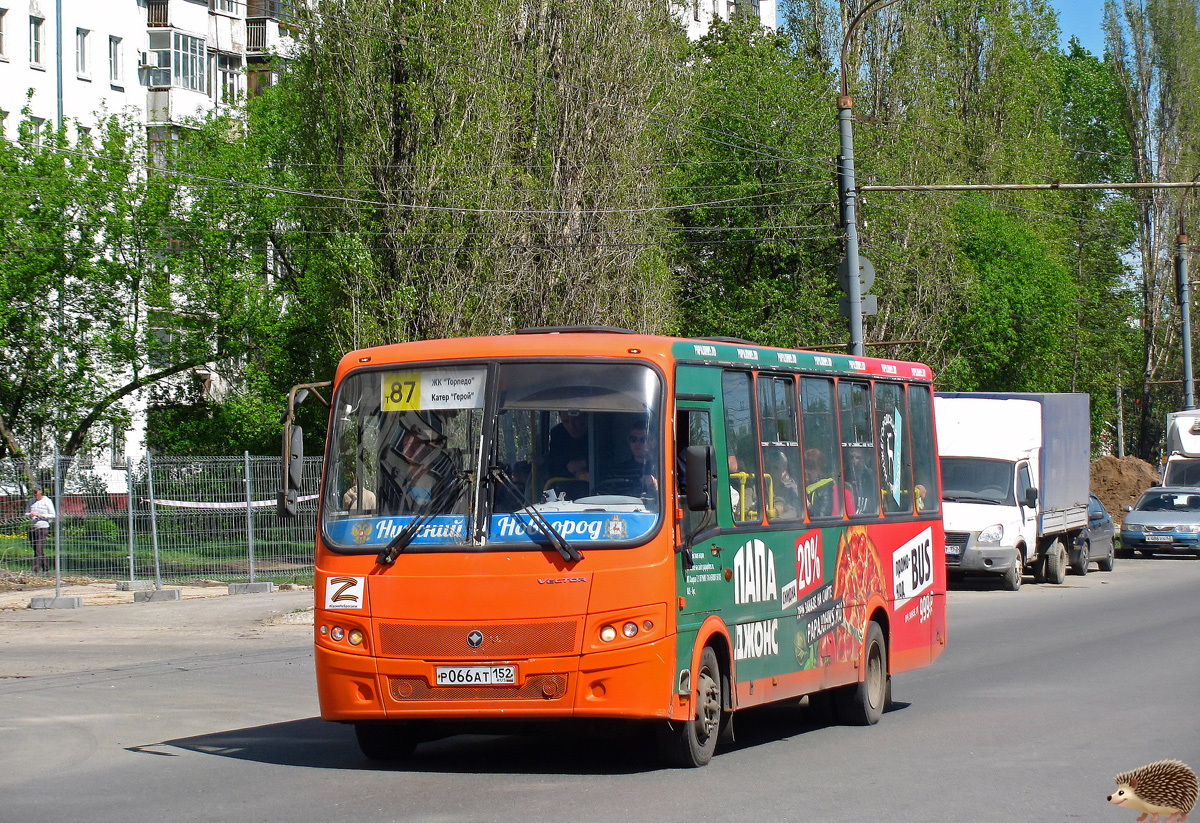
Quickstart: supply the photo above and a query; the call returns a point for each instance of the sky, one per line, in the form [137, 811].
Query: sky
[1082, 19]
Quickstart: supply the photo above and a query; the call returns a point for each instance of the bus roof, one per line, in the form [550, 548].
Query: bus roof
[603, 342]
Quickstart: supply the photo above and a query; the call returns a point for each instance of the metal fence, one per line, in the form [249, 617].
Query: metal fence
[168, 518]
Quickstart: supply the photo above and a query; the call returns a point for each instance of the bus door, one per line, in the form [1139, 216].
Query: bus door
[739, 562]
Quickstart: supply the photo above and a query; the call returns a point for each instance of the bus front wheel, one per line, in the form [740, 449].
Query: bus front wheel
[862, 704]
[691, 743]
[385, 741]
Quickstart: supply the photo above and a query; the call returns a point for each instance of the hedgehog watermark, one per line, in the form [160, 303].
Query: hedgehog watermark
[1167, 787]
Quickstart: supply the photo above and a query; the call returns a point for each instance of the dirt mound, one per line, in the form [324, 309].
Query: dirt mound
[1119, 481]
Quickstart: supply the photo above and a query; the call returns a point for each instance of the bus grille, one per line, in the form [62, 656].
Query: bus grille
[545, 686]
[501, 641]
[956, 539]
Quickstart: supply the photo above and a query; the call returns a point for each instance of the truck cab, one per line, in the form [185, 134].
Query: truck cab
[1014, 482]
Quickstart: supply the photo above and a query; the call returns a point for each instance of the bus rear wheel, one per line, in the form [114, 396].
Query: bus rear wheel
[862, 704]
[691, 743]
[385, 741]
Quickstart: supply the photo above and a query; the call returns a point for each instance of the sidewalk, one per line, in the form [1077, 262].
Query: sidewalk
[106, 593]
[110, 631]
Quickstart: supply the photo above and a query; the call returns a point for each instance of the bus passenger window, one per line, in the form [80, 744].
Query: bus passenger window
[741, 446]
[824, 494]
[895, 464]
[858, 446]
[779, 430]
[924, 448]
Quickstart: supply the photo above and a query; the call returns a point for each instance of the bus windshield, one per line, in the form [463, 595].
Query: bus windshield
[495, 455]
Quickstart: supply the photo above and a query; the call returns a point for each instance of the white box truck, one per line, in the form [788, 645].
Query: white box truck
[1182, 466]
[1014, 482]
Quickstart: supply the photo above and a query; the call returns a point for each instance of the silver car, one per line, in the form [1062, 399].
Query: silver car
[1164, 520]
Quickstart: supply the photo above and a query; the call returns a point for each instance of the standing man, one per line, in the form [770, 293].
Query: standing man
[41, 512]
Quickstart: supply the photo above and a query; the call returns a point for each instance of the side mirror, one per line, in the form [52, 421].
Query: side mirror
[700, 477]
[293, 470]
[295, 476]
[1030, 497]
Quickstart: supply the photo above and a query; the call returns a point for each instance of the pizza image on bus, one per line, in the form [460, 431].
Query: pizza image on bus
[858, 575]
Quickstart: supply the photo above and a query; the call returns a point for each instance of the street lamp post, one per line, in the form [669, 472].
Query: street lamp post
[846, 190]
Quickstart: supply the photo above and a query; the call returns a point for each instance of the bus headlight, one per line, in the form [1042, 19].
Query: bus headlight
[355, 637]
[608, 634]
[629, 629]
[338, 633]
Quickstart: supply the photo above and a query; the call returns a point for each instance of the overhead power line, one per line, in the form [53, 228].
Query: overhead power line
[1029, 186]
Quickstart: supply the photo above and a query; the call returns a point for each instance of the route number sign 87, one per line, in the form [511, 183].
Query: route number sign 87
[401, 391]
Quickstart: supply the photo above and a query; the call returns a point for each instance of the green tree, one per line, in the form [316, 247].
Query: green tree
[1154, 48]
[758, 243]
[482, 166]
[122, 269]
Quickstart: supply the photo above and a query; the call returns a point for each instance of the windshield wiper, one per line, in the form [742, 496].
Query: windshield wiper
[449, 492]
[553, 536]
[970, 498]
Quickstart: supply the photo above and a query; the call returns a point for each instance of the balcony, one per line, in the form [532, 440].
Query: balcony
[256, 36]
[156, 14]
[273, 9]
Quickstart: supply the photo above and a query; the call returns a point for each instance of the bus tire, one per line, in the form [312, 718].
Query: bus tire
[862, 704]
[385, 741]
[691, 743]
[1056, 563]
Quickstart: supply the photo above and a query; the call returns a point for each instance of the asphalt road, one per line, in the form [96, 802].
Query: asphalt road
[203, 710]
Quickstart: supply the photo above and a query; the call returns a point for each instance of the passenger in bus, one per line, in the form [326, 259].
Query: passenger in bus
[823, 495]
[784, 487]
[568, 452]
[639, 474]
[365, 503]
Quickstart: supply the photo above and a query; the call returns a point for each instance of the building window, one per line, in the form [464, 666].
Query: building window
[188, 63]
[37, 126]
[180, 60]
[224, 76]
[3, 46]
[36, 30]
[82, 58]
[229, 6]
[115, 69]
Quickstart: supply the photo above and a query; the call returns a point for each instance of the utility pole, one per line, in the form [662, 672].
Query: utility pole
[1181, 279]
[847, 189]
[845, 105]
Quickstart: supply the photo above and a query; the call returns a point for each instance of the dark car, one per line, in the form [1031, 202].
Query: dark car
[1164, 520]
[1096, 544]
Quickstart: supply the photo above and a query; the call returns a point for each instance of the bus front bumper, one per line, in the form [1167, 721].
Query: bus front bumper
[633, 683]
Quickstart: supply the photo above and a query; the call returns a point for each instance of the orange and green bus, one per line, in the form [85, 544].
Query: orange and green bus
[587, 523]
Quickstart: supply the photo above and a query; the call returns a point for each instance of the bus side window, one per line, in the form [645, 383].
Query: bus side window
[858, 446]
[692, 428]
[778, 427]
[924, 448]
[741, 446]
[822, 486]
[895, 462]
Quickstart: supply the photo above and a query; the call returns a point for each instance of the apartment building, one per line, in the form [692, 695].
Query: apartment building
[163, 60]
[698, 15]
